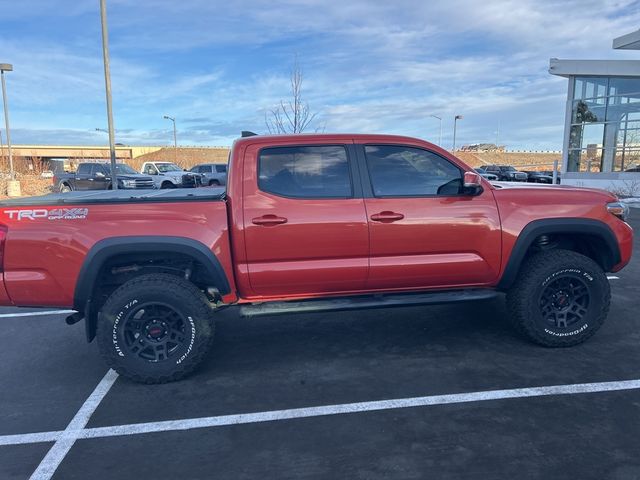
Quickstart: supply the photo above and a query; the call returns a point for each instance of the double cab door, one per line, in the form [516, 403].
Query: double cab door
[344, 217]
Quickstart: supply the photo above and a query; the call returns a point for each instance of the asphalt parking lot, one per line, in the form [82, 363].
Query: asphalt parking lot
[306, 372]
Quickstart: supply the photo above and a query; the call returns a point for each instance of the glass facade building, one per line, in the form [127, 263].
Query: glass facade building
[601, 145]
[604, 135]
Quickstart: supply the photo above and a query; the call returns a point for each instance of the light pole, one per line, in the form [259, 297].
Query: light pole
[440, 136]
[107, 86]
[175, 137]
[455, 125]
[7, 67]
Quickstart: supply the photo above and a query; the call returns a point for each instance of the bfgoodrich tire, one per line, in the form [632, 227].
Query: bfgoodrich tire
[155, 328]
[560, 298]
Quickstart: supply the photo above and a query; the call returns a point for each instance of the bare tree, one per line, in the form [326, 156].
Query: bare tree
[292, 116]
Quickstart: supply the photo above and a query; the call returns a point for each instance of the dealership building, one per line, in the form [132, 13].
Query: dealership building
[602, 122]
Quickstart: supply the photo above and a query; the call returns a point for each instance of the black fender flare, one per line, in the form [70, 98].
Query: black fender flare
[533, 230]
[105, 249]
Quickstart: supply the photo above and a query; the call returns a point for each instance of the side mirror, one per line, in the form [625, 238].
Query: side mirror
[472, 183]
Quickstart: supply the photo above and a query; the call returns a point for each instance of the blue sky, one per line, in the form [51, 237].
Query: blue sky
[369, 66]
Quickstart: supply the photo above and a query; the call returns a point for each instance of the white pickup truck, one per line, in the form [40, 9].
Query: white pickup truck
[169, 175]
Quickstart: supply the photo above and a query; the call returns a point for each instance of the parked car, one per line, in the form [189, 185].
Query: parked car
[170, 175]
[506, 173]
[311, 223]
[211, 174]
[97, 176]
[485, 174]
[541, 177]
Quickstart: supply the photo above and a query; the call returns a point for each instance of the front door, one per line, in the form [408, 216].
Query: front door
[425, 230]
[305, 224]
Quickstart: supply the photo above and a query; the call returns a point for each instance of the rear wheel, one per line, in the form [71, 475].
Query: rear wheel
[214, 183]
[560, 299]
[65, 188]
[155, 328]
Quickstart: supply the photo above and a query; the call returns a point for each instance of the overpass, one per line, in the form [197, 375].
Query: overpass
[78, 152]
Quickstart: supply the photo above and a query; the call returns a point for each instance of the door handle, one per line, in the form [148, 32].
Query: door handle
[386, 217]
[268, 220]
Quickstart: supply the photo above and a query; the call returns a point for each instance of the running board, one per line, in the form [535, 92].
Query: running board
[360, 302]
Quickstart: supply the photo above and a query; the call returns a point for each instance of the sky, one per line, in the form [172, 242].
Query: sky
[369, 66]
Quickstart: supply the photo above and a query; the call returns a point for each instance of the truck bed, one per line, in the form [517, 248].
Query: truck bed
[119, 196]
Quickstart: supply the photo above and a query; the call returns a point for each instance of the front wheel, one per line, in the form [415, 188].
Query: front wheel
[560, 298]
[155, 328]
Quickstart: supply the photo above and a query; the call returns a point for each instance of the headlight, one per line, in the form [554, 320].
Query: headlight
[129, 183]
[619, 209]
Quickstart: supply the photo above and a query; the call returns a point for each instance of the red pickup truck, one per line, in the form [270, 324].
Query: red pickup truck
[311, 223]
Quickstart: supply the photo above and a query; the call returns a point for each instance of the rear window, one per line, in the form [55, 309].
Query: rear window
[84, 168]
[221, 168]
[305, 172]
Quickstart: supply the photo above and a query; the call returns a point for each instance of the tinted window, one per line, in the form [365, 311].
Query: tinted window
[407, 171]
[221, 168]
[305, 172]
[84, 169]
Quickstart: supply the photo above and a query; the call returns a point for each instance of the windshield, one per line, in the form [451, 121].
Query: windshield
[123, 169]
[168, 167]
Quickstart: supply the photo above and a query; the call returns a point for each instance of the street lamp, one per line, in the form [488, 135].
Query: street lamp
[440, 136]
[175, 138]
[7, 67]
[107, 87]
[455, 125]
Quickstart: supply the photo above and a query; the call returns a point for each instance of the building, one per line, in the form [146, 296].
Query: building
[602, 122]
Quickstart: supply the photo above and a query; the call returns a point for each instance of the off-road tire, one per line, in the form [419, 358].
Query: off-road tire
[528, 298]
[166, 293]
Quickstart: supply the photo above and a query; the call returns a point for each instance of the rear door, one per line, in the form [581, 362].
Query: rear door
[425, 231]
[84, 178]
[305, 224]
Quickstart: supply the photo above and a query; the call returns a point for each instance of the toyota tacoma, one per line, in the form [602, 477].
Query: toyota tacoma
[311, 223]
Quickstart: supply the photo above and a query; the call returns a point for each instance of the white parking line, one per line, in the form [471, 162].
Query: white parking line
[75, 430]
[612, 277]
[35, 314]
[68, 437]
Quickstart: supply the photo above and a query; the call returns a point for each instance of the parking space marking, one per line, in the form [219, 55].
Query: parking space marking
[76, 428]
[612, 277]
[68, 437]
[36, 314]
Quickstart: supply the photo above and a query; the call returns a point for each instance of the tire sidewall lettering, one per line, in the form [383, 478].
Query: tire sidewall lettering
[581, 273]
[116, 323]
[191, 341]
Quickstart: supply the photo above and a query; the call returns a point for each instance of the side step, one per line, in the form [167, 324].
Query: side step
[359, 302]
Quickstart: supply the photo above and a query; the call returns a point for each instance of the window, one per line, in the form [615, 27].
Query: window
[221, 168]
[305, 172]
[122, 169]
[84, 169]
[205, 169]
[150, 169]
[604, 133]
[406, 171]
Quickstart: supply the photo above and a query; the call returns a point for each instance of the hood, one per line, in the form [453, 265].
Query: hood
[542, 188]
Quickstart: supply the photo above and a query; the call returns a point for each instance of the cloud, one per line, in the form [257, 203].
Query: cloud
[376, 66]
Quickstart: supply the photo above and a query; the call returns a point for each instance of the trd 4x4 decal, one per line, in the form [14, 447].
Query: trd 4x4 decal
[54, 214]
